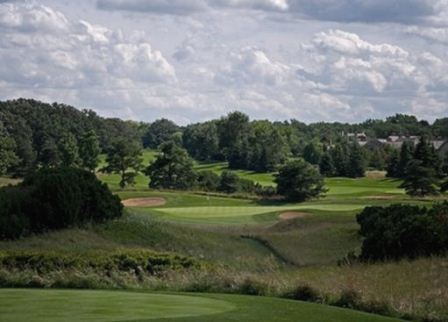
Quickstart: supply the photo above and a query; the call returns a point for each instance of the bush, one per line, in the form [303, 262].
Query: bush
[349, 299]
[403, 231]
[54, 199]
[208, 181]
[251, 287]
[303, 293]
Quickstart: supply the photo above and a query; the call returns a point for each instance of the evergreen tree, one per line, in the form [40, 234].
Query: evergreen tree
[172, 169]
[356, 163]
[89, 151]
[426, 153]
[393, 165]
[339, 155]
[326, 165]
[420, 180]
[299, 181]
[124, 158]
[406, 155]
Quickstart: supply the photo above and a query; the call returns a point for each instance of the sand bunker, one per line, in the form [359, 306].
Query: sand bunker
[144, 202]
[292, 215]
[380, 197]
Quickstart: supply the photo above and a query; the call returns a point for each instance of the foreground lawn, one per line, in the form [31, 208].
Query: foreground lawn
[19, 305]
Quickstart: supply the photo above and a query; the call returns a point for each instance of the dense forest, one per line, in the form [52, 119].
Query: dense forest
[35, 134]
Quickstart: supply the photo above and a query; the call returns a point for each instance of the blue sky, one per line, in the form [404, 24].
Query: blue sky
[193, 60]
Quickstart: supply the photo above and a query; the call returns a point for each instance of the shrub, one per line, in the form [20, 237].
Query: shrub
[349, 299]
[303, 293]
[403, 231]
[208, 181]
[251, 287]
[54, 199]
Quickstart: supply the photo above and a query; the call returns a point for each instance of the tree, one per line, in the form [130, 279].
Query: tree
[49, 153]
[326, 165]
[340, 155]
[299, 181]
[231, 128]
[8, 157]
[406, 155]
[230, 182]
[356, 163]
[208, 181]
[267, 148]
[172, 169]
[125, 159]
[158, 132]
[420, 180]
[444, 187]
[68, 150]
[312, 153]
[393, 165]
[425, 152]
[89, 151]
[202, 141]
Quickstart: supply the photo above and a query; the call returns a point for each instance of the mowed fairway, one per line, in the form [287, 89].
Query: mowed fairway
[20, 305]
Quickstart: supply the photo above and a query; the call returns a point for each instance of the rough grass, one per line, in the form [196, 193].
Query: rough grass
[71, 306]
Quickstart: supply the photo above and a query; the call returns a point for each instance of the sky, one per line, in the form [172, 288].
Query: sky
[194, 60]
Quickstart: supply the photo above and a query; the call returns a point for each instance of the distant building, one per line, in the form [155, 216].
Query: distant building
[360, 138]
[396, 141]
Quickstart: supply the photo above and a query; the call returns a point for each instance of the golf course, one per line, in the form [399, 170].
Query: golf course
[259, 241]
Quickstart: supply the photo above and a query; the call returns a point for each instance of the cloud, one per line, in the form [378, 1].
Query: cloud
[185, 7]
[251, 66]
[404, 11]
[432, 34]
[44, 49]
[367, 11]
[181, 7]
[343, 62]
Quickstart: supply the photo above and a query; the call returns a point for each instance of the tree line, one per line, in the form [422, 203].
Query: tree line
[34, 135]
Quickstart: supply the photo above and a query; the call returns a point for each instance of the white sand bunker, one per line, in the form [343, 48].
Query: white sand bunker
[144, 202]
[293, 215]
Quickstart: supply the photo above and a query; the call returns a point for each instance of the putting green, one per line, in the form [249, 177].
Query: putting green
[238, 214]
[19, 305]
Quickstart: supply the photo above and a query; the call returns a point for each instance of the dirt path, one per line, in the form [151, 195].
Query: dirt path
[144, 202]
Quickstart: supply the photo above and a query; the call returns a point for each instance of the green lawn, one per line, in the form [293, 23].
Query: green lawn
[19, 305]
